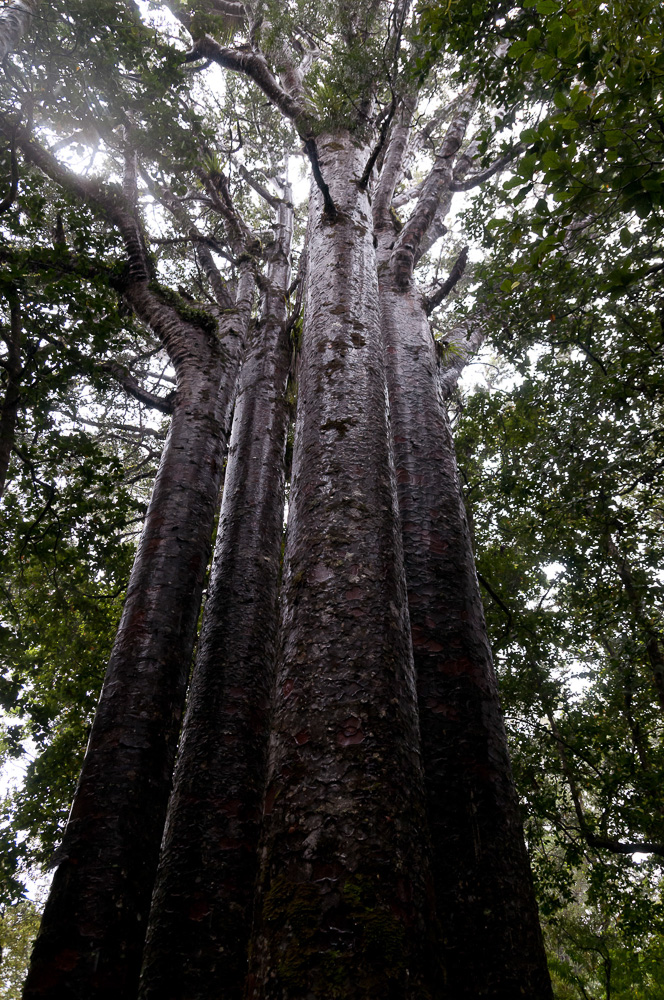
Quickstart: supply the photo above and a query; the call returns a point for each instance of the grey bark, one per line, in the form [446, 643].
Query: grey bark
[201, 910]
[344, 906]
[491, 943]
[15, 18]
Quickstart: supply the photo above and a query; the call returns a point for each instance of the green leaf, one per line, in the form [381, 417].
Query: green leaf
[550, 160]
[529, 135]
[518, 48]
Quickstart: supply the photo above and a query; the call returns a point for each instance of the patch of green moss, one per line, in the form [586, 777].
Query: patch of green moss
[378, 957]
[381, 936]
[184, 309]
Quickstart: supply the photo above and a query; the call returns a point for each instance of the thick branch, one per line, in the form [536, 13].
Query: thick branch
[473, 180]
[272, 200]
[393, 161]
[109, 199]
[131, 385]
[155, 309]
[454, 276]
[408, 243]
[254, 65]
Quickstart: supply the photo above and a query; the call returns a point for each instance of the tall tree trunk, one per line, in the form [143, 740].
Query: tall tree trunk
[343, 904]
[484, 895]
[197, 939]
[14, 369]
[91, 938]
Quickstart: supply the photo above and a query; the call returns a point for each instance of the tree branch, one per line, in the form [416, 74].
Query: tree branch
[607, 843]
[7, 202]
[165, 404]
[407, 244]
[431, 301]
[473, 180]
[312, 152]
[366, 174]
[254, 65]
[393, 161]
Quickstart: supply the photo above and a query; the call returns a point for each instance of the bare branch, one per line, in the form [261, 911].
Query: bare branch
[392, 163]
[407, 244]
[461, 344]
[431, 301]
[272, 200]
[165, 404]
[253, 64]
[473, 180]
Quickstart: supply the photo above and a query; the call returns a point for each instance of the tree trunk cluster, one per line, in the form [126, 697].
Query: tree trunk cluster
[341, 820]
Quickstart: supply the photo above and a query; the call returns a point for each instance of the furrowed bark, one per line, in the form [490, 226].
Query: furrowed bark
[10, 404]
[492, 945]
[201, 911]
[343, 908]
[90, 942]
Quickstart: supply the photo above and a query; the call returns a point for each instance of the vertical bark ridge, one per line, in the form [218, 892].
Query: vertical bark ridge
[91, 937]
[197, 939]
[492, 944]
[342, 905]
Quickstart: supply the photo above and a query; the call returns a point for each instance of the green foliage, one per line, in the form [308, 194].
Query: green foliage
[18, 928]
